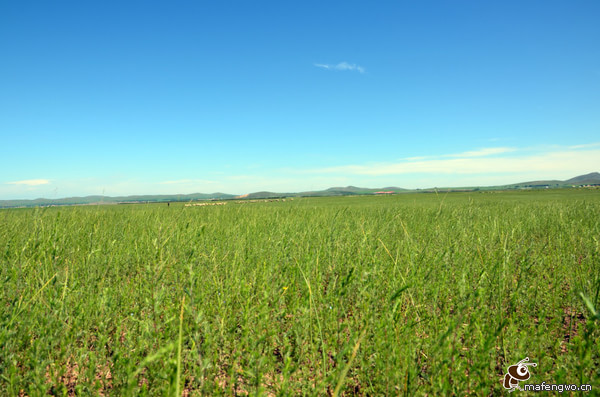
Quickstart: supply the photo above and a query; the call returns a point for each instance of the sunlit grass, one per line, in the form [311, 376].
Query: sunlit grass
[408, 294]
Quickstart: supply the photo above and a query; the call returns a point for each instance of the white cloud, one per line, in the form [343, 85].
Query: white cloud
[552, 163]
[585, 146]
[417, 158]
[322, 65]
[185, 182]
[342, 66]
[30, 182]
[483, 152]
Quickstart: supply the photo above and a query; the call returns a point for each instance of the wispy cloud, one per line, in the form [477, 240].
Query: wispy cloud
[30, 182]
[185, 182]
[585, 146]
[489, 161]
[483, 152]
[342, 66]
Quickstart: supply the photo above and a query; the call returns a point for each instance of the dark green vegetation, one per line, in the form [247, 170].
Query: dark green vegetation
[396, 295]
[579, 181]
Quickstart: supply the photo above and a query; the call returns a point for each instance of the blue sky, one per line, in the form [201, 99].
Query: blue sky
[142, 97]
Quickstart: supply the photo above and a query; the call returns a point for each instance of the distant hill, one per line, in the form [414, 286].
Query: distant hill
[592, 178]
[352, 190]
[581, 180]
[332, 191]
[531, 184]
[264, 195]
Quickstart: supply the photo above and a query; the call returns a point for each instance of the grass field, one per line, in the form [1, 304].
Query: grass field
[413, 294]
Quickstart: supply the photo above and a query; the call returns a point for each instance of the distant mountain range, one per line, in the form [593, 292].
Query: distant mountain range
[591, 179]
[115, 200]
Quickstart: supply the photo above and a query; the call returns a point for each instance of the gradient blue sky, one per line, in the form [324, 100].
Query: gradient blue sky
[136, 97]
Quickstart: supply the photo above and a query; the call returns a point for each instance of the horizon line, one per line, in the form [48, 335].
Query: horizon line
[236, 195]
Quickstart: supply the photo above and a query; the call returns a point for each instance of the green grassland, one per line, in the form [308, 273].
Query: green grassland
[412, 294]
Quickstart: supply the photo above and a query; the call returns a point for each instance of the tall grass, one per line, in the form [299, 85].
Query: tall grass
[409, 294]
